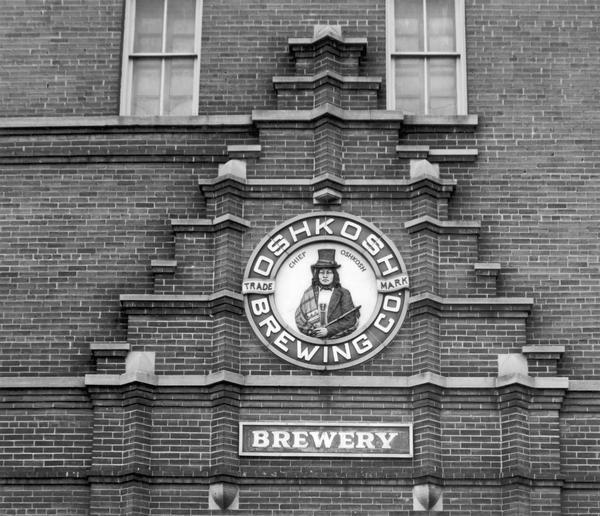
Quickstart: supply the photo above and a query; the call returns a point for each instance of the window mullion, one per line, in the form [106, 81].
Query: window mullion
[425, 32]
[163, 79]
[425, 86]
[425, 51]
[426, 54]
[164, 31]
[458, 88]
[161, 100]
[461, 73]
[163, 55]
[390, 42]
[197, 57]
[127, 63]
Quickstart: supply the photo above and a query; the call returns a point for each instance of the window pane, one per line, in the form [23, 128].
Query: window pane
[442, 86]
[440, 25]
[181, 20]
[409, 25]
[410, 97]
[145, 95]
[148, 26]
[179, 80]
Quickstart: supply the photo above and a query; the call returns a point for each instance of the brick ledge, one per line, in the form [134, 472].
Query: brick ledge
[475, 306]
[125, 122]
[442, 227]
[329, 111]
[371, 382]
[174, 304]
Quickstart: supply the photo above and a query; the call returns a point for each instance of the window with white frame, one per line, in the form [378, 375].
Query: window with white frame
[161, 57]
[426, 57]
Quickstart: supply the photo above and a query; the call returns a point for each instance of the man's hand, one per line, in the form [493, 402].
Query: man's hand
[321, 332]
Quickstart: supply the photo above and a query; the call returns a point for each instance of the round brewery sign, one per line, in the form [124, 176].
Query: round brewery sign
[326, 291]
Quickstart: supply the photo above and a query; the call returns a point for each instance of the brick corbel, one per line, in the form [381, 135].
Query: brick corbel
[442, 227]
[210, 225]
[162, 305]
[328, 42]
[471, 306]
[349, 188]
[327, 49]
[244, 151]
[543, 360]
[328, 113]
[327, 77]
[430, 185]
[110, 356]
[436, 155]
[487, 278]
[224, 185]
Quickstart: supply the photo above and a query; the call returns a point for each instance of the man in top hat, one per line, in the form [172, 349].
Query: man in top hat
[326, 310]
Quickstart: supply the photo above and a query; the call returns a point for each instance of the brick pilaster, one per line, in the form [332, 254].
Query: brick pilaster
[426, 400]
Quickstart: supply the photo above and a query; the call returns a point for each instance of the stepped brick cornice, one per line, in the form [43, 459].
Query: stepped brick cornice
[473, 306]
[328, 113]
[327, 49]
[326, 77]
[164, 304]
[442, 226]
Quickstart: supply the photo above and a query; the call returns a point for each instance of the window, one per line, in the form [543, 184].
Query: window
[426, 57]
[161, 57]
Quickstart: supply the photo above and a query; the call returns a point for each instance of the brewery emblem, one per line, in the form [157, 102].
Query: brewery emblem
[326, 308]
[326, 291]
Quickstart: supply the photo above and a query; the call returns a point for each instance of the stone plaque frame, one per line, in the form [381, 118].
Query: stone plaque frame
[372, 279]
[360, 433]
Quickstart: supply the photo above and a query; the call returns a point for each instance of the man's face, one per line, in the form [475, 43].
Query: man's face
[326, 277]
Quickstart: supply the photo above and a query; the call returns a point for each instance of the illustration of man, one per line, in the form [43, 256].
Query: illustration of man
[326, 309]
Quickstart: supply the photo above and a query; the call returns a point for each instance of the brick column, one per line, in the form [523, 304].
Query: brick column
[107, 452]
[328, 149]
[122, 438]
[121, 449]
[426, 400]
[545, 448]
[224, 457]
[514, 424]
[425, 325]
[530, 426]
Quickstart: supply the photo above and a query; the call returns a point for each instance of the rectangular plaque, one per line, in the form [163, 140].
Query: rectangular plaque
[299, 439]
[258, 286]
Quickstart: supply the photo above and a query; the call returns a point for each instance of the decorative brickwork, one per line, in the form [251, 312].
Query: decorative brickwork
[128, 360]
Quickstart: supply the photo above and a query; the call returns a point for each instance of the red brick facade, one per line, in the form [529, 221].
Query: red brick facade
[127, 358]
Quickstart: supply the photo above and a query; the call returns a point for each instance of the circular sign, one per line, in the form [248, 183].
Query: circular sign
[325, 291]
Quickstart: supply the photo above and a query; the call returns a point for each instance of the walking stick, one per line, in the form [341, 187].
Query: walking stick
[343, 315]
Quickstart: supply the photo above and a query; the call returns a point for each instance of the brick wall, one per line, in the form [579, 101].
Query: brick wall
[245, 45]
[533, 77]
[77, 234]
[60, 58]
[339, 500]
[45, 439]
[531, 81]
[39, 500]
[88, 204]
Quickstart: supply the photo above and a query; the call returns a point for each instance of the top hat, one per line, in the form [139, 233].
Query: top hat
[326, 260]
